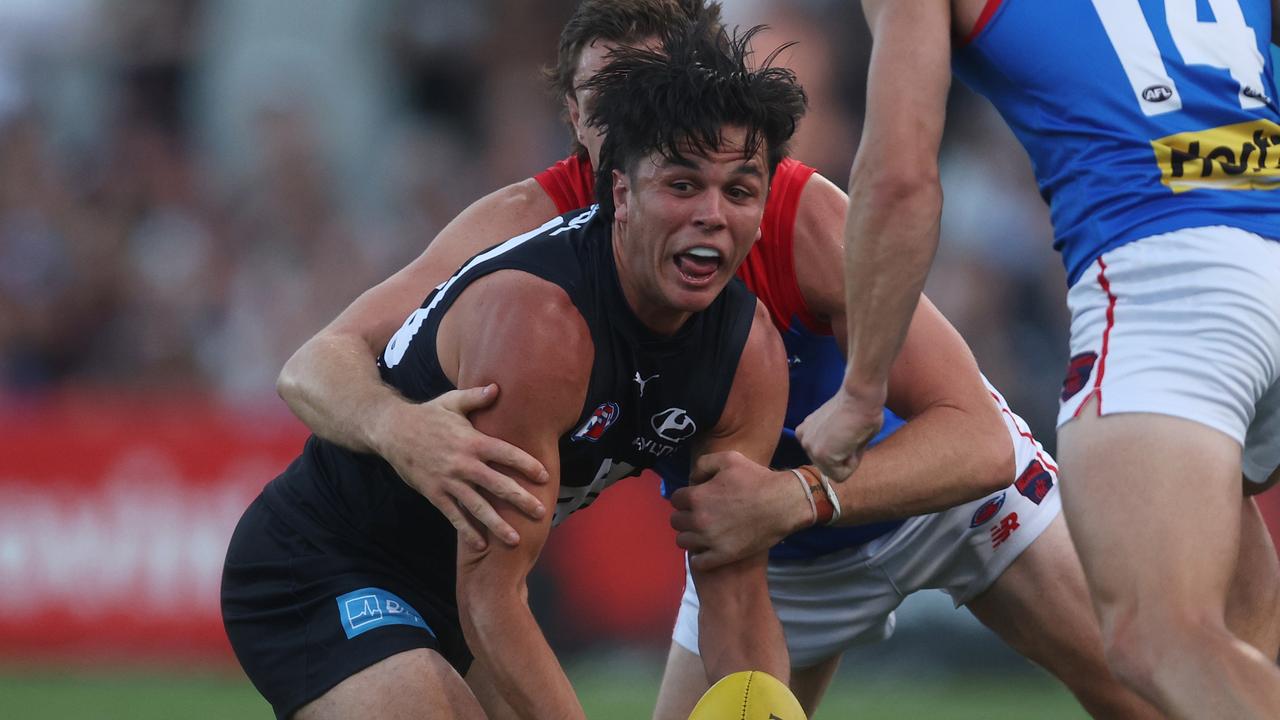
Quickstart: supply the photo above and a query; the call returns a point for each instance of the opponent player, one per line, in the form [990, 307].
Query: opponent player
[345, 593]
[954, 455]
[1153, 128]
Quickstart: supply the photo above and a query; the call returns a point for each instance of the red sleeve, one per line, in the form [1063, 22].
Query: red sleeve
[569, 183]
[769, 270]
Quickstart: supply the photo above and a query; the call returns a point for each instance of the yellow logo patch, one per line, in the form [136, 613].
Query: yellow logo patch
[1244, 156]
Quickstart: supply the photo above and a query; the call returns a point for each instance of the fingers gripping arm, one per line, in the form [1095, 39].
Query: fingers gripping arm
[539, 349]
[332, 383]
[743, 632]
[895, 203]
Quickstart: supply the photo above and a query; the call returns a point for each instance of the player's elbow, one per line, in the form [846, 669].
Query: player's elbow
[896, 187]
[489, 601]
[289, 383]
[991, 457]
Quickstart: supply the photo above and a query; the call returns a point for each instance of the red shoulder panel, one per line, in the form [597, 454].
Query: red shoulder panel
[988, 11]
[769, 270]
[569, 183]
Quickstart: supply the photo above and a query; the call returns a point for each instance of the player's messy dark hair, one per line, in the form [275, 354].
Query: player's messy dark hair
[623, 22]
[676, 100]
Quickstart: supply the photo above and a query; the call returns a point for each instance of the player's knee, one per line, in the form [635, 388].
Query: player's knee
[1134, 642]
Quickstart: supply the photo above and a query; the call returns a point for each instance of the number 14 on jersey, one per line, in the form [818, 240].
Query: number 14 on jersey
[1226, 43]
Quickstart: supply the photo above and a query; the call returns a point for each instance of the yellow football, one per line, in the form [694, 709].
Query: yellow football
[748, 695]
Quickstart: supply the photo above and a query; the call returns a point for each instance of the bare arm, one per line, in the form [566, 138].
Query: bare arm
[332, 384]
[739, 630]
[546, 387]
[955, 449]
[934, 382]
[895, 202]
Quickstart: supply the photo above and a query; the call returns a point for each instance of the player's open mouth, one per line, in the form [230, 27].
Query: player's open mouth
[698, 265]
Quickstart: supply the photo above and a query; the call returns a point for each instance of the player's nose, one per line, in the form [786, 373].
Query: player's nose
[709, 214]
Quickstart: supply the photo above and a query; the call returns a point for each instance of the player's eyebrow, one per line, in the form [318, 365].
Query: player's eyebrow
[749, 167]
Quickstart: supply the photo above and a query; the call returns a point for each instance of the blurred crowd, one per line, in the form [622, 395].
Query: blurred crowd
[190, 188]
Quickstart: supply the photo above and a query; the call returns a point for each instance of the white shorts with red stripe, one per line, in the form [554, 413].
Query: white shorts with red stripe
[832, 602]
[1185, 324]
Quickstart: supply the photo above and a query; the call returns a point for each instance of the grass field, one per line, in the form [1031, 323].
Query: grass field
[609, 691]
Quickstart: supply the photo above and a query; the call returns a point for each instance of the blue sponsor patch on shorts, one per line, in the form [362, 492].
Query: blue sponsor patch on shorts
[368, 608]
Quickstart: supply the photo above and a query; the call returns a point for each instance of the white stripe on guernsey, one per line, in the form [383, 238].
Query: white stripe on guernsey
[399, 343]
[1127, 29]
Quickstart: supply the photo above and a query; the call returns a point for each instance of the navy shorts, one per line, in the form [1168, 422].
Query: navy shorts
[302, 619]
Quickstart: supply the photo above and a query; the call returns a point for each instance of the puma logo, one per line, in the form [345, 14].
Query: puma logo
[644, 381]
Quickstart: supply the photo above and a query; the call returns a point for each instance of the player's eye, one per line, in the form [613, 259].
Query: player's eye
[682, 186]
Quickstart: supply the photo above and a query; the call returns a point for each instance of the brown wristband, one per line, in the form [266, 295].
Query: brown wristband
[825, 511]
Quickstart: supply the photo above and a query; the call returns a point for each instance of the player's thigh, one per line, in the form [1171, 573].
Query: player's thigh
[408, 685]
[1153, 503]
[1253, 602]
[1040, 605]
[302, 620]
[684, 680]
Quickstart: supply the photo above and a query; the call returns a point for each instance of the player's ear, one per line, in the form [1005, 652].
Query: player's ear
[621, 195]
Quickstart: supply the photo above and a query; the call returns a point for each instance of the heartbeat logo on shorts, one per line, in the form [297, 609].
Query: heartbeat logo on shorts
[368, 608]
[1079, 368]
[604, 416]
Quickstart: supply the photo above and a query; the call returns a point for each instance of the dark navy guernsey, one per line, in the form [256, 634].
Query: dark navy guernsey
[816, 363]
[649, 397]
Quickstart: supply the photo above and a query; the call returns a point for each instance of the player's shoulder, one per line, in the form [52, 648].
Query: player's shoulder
[527, 318]
[763, 344]
[519, 205]
[524, 199]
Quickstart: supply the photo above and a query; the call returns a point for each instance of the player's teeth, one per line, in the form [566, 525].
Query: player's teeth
[704, 252]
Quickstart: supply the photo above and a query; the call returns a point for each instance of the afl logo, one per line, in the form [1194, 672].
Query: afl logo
[673, 425]
[1157, 93]
[605, 415]
[987, 510]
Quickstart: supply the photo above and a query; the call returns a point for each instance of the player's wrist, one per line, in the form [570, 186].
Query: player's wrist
[382, 417]
[820, 497]
[863, 390]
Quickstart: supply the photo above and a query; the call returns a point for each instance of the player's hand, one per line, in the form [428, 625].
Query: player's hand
[437, 452]
[735, 509]
[836, 434]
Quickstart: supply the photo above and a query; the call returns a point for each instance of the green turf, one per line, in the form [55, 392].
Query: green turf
[609, 692]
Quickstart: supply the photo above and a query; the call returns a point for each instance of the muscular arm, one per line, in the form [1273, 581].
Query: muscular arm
[895, 202]
[956, 447]
[332, 384]
[542, 354]
[737, 627]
